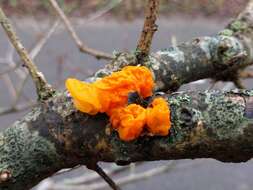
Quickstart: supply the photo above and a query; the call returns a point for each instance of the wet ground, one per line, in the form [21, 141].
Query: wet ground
[60, 59]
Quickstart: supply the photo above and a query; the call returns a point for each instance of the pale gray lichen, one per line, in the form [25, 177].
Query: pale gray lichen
[204, 44]
[180, 98]
[33, 115]
[153, 63]
[174, 53]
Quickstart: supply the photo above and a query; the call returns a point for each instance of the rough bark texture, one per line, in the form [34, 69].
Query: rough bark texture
[54, 135]
[209, 124]
[149, 28]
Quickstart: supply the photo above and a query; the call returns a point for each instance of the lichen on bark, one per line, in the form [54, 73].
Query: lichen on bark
[26, 155]
[209, 124]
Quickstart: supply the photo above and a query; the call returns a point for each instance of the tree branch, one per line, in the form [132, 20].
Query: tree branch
[149, 28]
[82, 47]
[55, 135]
[44, 90]
[211, 124]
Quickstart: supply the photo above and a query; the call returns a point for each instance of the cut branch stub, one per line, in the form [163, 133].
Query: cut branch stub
[5, 176]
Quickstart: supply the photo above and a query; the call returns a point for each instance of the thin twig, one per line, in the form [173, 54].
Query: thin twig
[10, 69]
[33, 53]
[93, 177]
[123, 180]
[43, 40]
[82, 47]
[23, 77]
[172, 166]
[11, 63]
[8, 59]
[44, 90]
[238, 83]
[17, 108]
[103, 11]
[139, 176]
[95, 167]
[9, 85]
[148, 30]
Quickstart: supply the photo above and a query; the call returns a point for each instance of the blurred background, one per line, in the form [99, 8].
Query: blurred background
[127, 9]
[109, 26]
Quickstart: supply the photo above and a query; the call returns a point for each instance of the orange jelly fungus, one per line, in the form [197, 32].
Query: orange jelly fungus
[158, 121]
[110, 95]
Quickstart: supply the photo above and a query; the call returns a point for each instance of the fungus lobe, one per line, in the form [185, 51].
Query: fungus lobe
[110, 95]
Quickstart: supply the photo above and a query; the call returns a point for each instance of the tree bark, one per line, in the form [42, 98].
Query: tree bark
[55, 135]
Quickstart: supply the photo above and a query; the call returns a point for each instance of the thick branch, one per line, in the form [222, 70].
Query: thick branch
[54, 136]
[220, 57]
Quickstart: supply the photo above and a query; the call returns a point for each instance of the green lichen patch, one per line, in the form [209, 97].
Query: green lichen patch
[172, 53]
[238, 26]
[26, 156]
[228, 50]
[183, 116]
[223, 115]
[226, 32]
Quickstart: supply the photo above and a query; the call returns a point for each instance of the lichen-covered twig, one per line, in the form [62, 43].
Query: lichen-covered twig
[82, 47]
[149, 28]
[44, 90]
